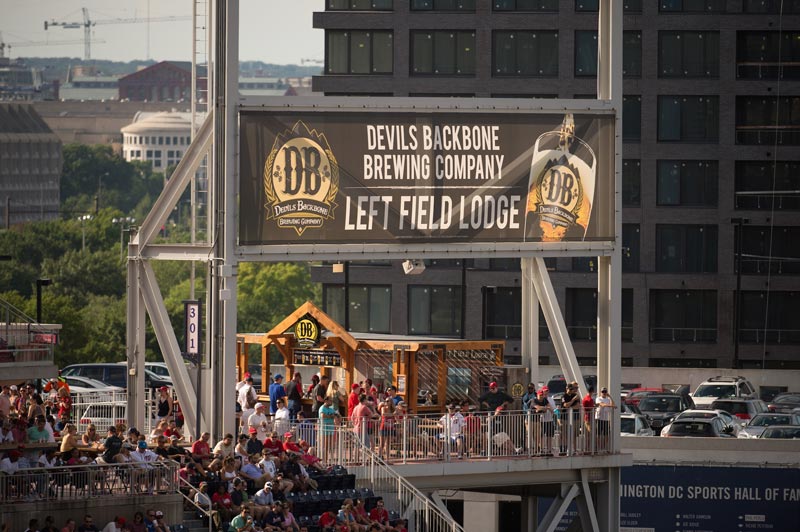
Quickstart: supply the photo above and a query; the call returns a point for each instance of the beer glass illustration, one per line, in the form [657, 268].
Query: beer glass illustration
[560, 187]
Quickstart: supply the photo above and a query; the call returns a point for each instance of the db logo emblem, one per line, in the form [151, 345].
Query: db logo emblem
[306, 332]
[301, 179]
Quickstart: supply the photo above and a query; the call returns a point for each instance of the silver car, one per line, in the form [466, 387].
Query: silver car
[727, 419]
[635, 425]
[760, 422]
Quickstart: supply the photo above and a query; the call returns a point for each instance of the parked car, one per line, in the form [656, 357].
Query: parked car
[761, 421]
[115, 374]
[635, 395]
[744, 409]
[722, 388]
[782, 432]
[635, 425]
[557, 385]
[104, 415]
[727, 419]
[628, 409]
[82, 386]
[661, 408]
[160, 369]
[699, 428]
[784, 402]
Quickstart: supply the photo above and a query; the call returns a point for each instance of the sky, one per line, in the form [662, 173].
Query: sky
[272, 31]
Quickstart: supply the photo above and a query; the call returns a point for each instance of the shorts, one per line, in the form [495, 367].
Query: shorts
[602, 426]
[548, 428]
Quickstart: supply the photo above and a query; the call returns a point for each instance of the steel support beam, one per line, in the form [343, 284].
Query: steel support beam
[135, 341]
[169, 345]
[530, 322]
[558, 507]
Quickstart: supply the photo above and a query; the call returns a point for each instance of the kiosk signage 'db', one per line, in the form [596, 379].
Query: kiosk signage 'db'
[329, 177]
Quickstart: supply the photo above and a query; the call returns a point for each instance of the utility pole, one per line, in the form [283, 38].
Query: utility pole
[737, 312]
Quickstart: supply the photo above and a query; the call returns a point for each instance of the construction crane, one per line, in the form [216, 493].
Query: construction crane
[314, 61]
[88, 23]
[10, 45]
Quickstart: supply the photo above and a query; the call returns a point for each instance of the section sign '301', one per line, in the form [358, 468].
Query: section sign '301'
[364, 177]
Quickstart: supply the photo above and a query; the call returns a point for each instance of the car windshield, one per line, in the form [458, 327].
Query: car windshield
[715, 390]
[791, 399]
[628, 425]
[782, 432]
[691, 429]
[732, 407]
[660, 404]
[763, 420]
[556, 386]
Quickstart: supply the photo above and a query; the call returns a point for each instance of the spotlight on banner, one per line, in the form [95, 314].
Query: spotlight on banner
[413, 267]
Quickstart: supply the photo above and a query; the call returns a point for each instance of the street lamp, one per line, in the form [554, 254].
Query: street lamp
[83, 220]
[39, 284]
[122, 221]
[737, 312]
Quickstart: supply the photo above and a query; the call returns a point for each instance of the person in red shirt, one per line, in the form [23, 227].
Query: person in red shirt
[352, 400]
[379, 514]
[201, 450]
[327, 521]
[588, 415]
[289, 445]
[273, 444]
[222, 503]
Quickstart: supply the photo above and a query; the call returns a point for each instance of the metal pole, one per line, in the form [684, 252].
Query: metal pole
[737, 314]
[347, 295]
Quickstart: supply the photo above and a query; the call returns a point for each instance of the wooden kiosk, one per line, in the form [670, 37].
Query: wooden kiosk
[427, 372]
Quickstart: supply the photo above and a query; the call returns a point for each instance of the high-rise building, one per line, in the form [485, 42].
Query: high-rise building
[710, 173]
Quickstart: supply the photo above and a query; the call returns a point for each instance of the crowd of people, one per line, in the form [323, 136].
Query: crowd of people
[142, 521]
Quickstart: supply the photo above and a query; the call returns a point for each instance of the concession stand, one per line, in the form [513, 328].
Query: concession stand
[427, 373]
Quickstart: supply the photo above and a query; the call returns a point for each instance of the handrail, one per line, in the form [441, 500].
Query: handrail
[397, 492]
[207, 513]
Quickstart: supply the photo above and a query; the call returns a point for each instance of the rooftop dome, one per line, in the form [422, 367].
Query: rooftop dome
[164, 121]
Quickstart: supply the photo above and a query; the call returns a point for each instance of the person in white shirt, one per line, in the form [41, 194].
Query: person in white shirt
[259, 420]
[143, 456]
[452, 424]
[604, 409]
[247, 397]
[10, 464]
[116, 525]
[6, 436]
[267, 465]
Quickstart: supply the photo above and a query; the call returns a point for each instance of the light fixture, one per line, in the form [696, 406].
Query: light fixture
[413, 266]
[337, 267]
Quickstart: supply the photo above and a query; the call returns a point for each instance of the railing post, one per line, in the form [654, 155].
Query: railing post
[404, 443]
[489, 428]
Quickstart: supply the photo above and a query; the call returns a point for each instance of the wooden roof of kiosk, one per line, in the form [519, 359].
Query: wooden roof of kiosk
[434, 370]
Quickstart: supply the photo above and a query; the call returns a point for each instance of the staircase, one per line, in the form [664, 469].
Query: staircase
[192, 523]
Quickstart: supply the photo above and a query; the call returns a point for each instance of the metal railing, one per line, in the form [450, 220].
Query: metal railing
[86, 481]
[103, 409]
[21, 338]
[682, 334]
[513, 434]
[186, 490]
[412, 505]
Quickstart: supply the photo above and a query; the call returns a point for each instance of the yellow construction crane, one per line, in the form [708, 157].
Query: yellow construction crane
[88, 23]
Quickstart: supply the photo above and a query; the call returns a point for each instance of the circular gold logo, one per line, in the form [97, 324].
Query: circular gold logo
[516, 389]
[306, 331]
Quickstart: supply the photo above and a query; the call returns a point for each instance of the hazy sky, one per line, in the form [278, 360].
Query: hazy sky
[273, 31]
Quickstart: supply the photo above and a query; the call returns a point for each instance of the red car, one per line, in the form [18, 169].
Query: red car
[635, 395]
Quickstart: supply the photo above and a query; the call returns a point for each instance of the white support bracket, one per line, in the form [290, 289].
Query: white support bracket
[555, 323]
[556, 511]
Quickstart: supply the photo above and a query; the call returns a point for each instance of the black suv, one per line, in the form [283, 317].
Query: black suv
[661, 408]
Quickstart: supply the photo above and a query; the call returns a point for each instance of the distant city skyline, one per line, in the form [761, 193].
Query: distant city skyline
[272, 31]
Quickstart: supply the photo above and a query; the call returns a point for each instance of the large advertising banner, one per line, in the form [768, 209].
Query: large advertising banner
[388, 178]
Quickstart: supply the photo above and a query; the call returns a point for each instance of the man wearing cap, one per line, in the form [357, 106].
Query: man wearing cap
[111, 446]
[247, 401]
[495, 398]
[276, 391]
[452, 424]
[258, 420]
[543, 406]
[352, 399]
[253, 473]
[116, 525]
[253, 445]
[603, 412]
[391, 393]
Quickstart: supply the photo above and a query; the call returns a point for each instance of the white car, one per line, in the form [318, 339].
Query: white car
[722, 388]
[635, 425]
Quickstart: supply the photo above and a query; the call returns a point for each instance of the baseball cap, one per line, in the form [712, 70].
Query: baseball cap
[163, 389]
[142, 445]
[287, 435]
[603, 389]
[259, 405]
[159, 513]
[14, 387]
[355, 386]
[390, 389]
[133, 430]
[121, 520]
[544, 389]
[252, 430]
[277, 377]
[493, 384]
[246, 374]
[14, 454]
[268, 485]
[174, 437]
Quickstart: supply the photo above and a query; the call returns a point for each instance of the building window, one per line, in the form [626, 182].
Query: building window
[581, 313]
[686, 248]
[768, 120]
[775, 7]
[691, 6]
[359, 52]
[630, 247]
[443, 5]
[168, 141]
[525, 53]
[631, 182]
[526, 5]
[768, 54]
[683, 316]
[778, 309]
[586, 53]
[627, 315]
[592, 6]
[443, 52]
[502, 312]
[688, 118]
[358, 5]
[434, 310]
[767, 185]
[688, 54]
[631, 118]
[768, 250]
[370, 306]
[687, 183]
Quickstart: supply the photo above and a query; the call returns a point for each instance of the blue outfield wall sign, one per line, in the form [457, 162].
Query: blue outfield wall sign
[709, 499]
[703, 499]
